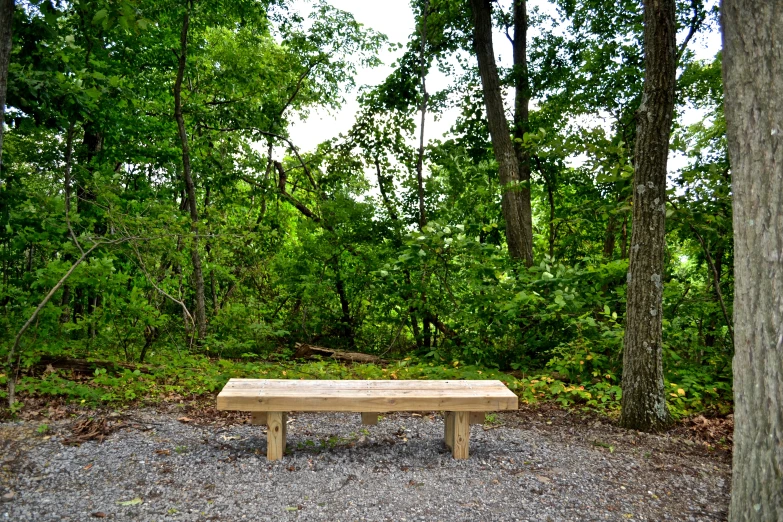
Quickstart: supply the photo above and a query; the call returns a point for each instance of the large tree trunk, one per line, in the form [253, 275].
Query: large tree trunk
[6, 43]
[753, 82]
[521, 123]
[508, 165]
[644, 401]
[198, 275]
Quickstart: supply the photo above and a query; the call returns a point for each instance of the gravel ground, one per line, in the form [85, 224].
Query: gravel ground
[548, 466]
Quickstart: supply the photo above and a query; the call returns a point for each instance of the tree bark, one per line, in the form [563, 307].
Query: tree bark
[424, 98]
[522, 124]
[198, 275]
[6, 43]
[644, 402]
[753, 83]
[508, 165]
[426, 319]
[66, 297]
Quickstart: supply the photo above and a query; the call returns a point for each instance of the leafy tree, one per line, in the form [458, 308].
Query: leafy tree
[644, 403]
[514, 205]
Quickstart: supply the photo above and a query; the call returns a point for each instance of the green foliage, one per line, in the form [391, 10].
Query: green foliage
[324, 246]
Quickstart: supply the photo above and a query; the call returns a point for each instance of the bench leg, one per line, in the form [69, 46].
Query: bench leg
[460, 434]
[275, 434]
[476, 417]
[449, 421]
[258, 418]
[369, 418]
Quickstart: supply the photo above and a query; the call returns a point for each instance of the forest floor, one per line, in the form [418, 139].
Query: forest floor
[186, 461]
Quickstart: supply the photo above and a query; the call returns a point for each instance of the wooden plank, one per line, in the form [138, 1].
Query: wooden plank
[326, 387]
[258, 418]
[365, 396]
[370, 418]
[461, 435]
[275, 435]
[366, 404]
[382, 383]
[302, 386]
[375, 404]
[449, 425]
[477, 417]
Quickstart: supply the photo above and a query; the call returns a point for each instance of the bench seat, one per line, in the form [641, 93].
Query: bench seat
[269, 399]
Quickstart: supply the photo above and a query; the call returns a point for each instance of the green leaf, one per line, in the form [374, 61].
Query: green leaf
[99, 16]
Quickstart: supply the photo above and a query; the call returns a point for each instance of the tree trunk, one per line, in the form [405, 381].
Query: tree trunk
[346, 321]
[610, 237]
[549, 183]
[644, 401]
[6, 42]
[508, 165]
[753, 83]
[426, 319]
[198, 275]
[424, 97]
[521, 123]
[624, 238]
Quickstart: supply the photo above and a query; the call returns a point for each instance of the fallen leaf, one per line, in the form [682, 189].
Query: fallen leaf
[99, 514]
[185, 419]
[132, 502]
[163, 452]
[543, 479]
[87, 467]
[292, 508]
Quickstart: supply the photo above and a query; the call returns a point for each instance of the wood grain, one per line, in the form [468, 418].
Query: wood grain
[370, 418]
[461, 434]
[275, 435]
[365, 396]
[449, 429]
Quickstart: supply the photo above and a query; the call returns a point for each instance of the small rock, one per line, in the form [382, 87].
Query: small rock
[8, 497]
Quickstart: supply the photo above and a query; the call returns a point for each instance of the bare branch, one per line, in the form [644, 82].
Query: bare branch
[696, 22]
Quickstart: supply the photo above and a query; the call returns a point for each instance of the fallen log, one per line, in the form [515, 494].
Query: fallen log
[309, 351]
[49, 363]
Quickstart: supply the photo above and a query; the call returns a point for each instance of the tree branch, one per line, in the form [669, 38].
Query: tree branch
[715, 275]
[696, 21]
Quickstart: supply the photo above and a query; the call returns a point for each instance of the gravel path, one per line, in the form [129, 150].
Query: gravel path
[527, 468]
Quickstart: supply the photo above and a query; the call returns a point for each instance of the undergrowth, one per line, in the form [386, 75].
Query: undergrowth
[190, 376]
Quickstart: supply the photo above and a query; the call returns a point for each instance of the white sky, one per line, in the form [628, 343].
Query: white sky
[395, 19]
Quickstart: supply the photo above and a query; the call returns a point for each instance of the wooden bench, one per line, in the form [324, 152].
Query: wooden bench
[269, 400]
